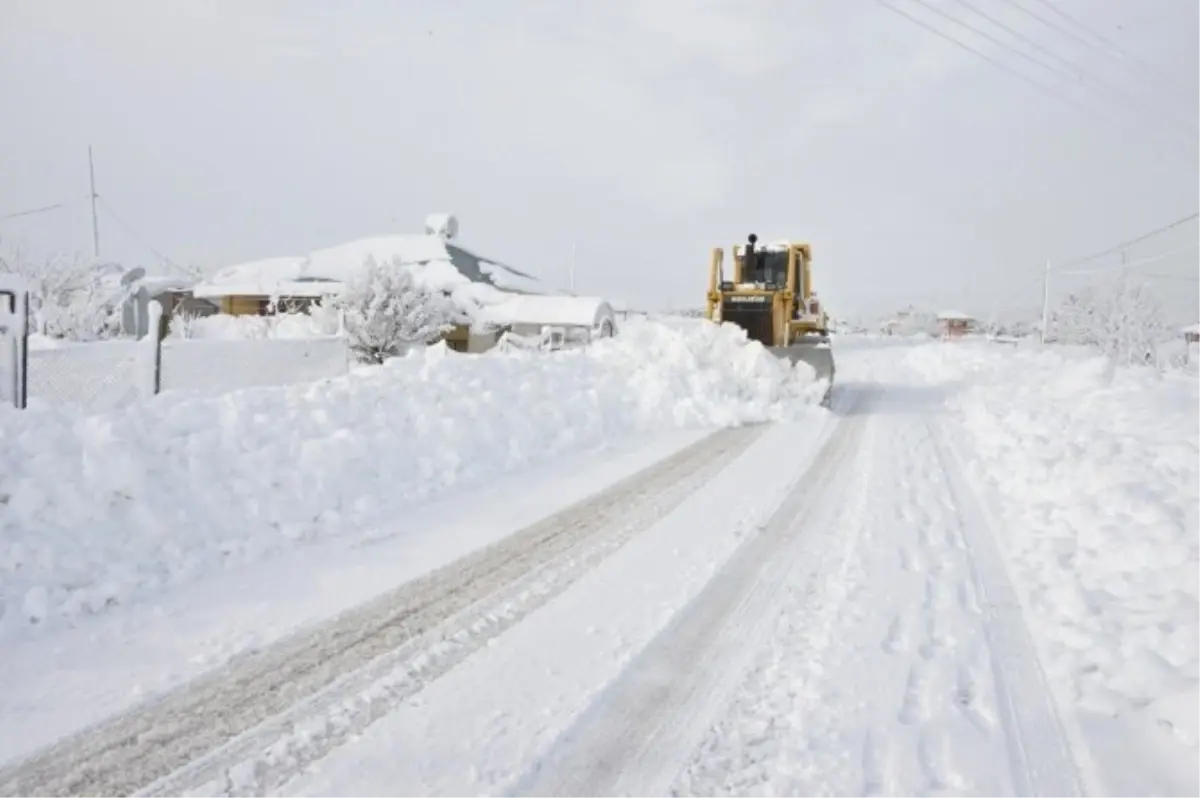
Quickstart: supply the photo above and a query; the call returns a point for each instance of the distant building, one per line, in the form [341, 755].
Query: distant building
[954, 324]
[1191, 339]
[438, 260]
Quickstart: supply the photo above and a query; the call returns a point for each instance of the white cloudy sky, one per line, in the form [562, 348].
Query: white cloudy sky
[643, 131]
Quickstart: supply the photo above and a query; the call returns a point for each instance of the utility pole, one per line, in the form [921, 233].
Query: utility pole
[95, 221]
[571, 277]
[1045, 301]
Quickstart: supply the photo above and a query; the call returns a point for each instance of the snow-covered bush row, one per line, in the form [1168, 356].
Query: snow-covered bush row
[1096, 481]
[1121, 319]
[317, 322]
[69, 298]
[98, 508]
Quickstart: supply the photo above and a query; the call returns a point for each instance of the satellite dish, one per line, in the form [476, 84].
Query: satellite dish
[442, 225]
[132, 276]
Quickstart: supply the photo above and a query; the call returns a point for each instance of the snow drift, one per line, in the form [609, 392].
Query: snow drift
[1096, 480]
[98, 509]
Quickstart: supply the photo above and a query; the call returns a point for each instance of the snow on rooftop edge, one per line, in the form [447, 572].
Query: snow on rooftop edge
[954, 315]
[565, 311]
[326, 270]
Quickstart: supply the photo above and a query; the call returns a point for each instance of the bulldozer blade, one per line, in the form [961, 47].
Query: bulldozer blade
[819, 355]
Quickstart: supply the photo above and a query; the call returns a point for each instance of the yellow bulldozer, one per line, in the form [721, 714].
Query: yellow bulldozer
[771, 297]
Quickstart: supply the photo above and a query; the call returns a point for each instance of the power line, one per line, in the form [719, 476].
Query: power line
[991, 38]
[1115, 51]
[1082, 74]
[1188, 277]
[33, 211]
[1122, 266]
[1132, 241]
[1042, 87]
[1035, 45]
[128, 229]
[994, 62]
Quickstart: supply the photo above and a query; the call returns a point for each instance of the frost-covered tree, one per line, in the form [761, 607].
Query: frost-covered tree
[386, 311]
[69, 297]
[1122, 319]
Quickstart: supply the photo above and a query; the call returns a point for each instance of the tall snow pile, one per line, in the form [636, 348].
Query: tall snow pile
[98, 509]
[1095, 477]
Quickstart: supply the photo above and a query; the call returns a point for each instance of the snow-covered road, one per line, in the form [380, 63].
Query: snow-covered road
[819, 606]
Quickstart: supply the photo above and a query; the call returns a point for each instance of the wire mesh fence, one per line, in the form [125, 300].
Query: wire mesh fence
[98, 376]
[106, 375]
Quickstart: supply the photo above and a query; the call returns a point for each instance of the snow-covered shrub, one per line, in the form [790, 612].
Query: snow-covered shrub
[69, 298]
[319, 320]
[1122, 320]
[386, 311]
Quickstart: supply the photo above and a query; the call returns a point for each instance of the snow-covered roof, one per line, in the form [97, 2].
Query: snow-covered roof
[558, 311]
[159, 283]
[954, 315]
[1192, 329]
[255, 278]
[435, 262]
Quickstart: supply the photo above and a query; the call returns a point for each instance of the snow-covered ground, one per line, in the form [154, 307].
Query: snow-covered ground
[977, 574]
[101, 509]
[1094, 482]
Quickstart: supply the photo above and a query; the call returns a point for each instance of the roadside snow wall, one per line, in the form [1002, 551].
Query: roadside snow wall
[98, 509]
[1094, 482]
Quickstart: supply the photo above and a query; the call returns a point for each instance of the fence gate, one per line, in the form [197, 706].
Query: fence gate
[14, 340]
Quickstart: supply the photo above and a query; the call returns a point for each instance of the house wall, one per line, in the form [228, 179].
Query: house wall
[955, 328]
[244, 305]
[481, 341]
[261, 305]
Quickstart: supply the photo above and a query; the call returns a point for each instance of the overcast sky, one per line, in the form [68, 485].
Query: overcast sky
[643, 131]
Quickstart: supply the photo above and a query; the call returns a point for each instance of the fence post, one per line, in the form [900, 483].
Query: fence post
[14, 327]
[153, 344]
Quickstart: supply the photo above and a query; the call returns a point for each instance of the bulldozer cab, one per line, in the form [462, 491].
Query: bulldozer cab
[770, 296]
[768, 268]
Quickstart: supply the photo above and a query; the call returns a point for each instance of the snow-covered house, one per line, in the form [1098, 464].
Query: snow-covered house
[954, 324]
[172, 292]
[484, 288]
[560, 319]
[1191, 341]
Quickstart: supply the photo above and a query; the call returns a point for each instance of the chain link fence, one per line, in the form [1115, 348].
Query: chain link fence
[98, 376]
[101, 376]
[106, 375]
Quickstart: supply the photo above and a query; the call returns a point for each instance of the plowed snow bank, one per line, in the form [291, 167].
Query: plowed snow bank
[1097, 483]
[98, 509]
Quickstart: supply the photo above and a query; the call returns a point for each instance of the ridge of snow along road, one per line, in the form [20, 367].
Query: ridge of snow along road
[99, 510]
[1094, 479]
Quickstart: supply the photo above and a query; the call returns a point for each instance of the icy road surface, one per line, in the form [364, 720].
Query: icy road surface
[811, 607]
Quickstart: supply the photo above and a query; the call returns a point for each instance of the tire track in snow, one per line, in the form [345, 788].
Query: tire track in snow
[644, 725]
[1042, 758]
[947, 704]
[286, 705]
[917, 693]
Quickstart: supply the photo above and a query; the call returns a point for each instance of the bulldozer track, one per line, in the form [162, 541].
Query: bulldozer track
[647, 721]
[252, 723]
